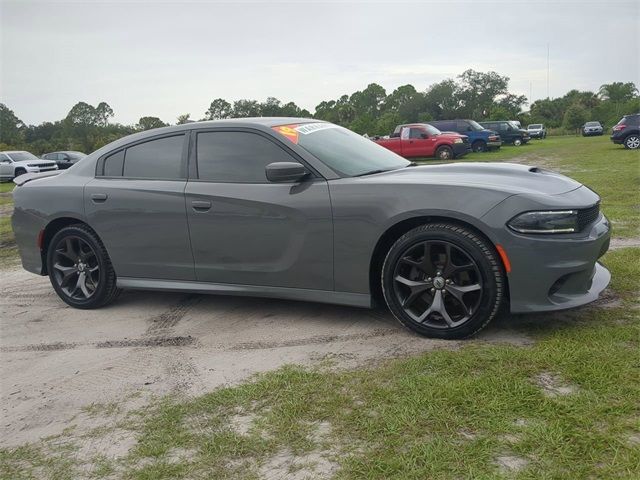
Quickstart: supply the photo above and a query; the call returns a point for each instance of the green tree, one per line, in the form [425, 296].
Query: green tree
[147, 123]
[478, 91]
[575, 117]
[12, 129]
[618, 92]
[184, 118]
[246, 108]
[218, 109]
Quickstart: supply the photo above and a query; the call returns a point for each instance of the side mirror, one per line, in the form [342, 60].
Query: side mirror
[424, 135]
[285, 171]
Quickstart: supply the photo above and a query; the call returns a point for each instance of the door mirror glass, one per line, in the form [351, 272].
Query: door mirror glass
[424, 135]
[285, 172]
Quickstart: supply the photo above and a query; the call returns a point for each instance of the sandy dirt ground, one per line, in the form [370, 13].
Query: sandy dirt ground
[56, 360]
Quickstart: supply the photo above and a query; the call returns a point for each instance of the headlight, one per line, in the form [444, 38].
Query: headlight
[554, 221]
[457, 140]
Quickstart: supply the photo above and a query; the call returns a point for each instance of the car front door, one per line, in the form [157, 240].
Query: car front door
[6, 167]
[136, 205]
[418, 143]
[247, 230]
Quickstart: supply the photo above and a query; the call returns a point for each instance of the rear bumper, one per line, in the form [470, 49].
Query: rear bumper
[496, 144]
[26, 228]
[619, 139]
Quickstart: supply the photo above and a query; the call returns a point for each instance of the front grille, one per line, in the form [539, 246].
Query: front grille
[586, 216]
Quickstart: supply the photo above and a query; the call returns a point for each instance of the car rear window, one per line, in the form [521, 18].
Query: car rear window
[159, 159]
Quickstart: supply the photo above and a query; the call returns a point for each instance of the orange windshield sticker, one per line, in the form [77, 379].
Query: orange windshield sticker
[288, 131]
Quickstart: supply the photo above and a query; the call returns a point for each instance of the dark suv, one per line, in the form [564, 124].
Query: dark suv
[627, 132]
[480, 138]
[509, 131]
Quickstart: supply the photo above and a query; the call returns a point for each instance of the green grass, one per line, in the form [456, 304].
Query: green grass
[6, 187]
[446, 414]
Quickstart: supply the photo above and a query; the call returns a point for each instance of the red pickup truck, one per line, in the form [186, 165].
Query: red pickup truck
[424, 140]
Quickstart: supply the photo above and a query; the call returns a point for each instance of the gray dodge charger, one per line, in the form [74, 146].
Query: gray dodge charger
[305, 210]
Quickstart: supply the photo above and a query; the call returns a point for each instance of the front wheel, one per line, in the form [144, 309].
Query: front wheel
[479, 146]
[517, 142]
[444, 153]
[632, 142]
[443, 280]
[80, 269]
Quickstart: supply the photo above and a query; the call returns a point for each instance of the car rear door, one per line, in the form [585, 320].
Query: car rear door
[247, 230]
[136, 205]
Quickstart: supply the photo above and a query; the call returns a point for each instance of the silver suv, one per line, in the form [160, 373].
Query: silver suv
[537, 130]
[15, 163]
[592, 128]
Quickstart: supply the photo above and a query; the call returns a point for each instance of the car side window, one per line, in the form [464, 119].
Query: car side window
[161, 158]
[462, 127]
[4, 158]
[113, 165]
[415, 133]
[236, 157]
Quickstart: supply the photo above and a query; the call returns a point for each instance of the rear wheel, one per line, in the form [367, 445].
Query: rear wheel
[444, 153]
[443, 280]
[632, 142]
[479, 146]
[80, 269]
[517, 142]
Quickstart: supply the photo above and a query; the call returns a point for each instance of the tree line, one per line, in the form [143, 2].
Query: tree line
[476, 95]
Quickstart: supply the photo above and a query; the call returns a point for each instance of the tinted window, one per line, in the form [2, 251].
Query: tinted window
[462, 126]
[236, 157]
[415, 133]
[631, 120]
[160, 158]
[113, 165]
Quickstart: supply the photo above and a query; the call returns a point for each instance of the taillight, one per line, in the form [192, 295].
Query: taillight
[619, 127]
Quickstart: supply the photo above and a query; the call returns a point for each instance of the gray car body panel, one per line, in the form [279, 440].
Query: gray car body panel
[312, 240]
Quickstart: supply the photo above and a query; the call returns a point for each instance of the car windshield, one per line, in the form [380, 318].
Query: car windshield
[344, 151]
[514, 125]
[476, 126]
[593, 124]
[535, 126]
[20, 156]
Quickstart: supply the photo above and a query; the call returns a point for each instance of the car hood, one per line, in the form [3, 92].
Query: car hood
[451, 135]
[24, 163]
[507, 177]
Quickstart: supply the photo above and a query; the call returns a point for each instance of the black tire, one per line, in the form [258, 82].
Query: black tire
[632, 142]
[479, 146]
[444, 153]
[517, 142]
[467, 309]
[73, 254]
[18, 171]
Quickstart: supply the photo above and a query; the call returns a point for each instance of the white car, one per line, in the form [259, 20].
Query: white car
[15, 163]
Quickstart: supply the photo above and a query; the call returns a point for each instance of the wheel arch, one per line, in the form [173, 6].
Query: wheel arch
[53, 227]
[400, 227]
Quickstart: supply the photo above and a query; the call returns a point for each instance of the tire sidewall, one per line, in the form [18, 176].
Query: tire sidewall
[444, 148]
[517, 142]
[102, 291]
[491, 278]
[626, 141]
[479, 146]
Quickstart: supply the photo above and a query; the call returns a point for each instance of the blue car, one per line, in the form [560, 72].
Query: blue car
[481, 139]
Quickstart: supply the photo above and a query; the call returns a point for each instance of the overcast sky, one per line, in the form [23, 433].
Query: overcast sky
[168, 58]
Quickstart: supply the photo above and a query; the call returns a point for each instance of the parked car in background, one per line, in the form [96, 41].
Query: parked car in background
[592, 128]
[307, 210]
[423, 140]
[64, 159]
[509, 131]
[16, 163]
[537, 130]
[480, 138]
[627, 131]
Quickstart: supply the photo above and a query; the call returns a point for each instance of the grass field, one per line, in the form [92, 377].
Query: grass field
[566, 406]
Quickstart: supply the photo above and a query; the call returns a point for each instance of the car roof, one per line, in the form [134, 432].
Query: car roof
[15, 151]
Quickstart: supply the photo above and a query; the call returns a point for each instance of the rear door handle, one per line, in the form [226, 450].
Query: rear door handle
[98, 197]
[201, 205]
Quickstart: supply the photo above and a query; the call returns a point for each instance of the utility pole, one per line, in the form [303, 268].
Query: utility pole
[548, 69]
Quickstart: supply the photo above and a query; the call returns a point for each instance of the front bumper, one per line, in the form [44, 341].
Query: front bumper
[536, 134]
[554, 272]
[460, 149]
[588, 133]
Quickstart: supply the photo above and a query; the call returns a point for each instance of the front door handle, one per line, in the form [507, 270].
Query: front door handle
[98, 197]
[201, 205]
